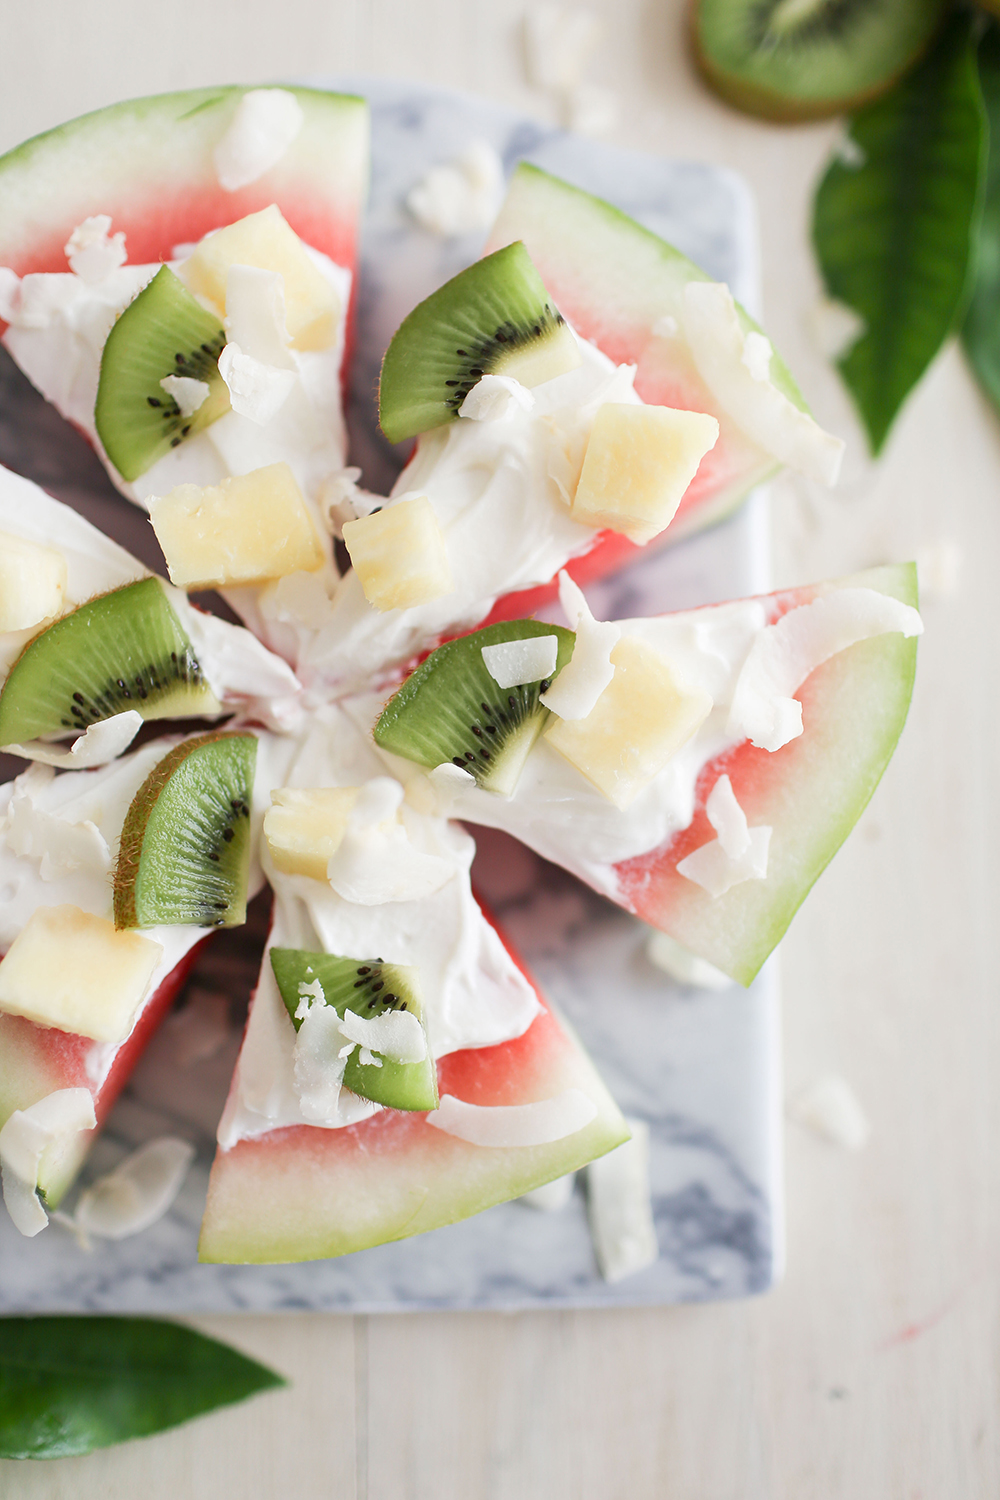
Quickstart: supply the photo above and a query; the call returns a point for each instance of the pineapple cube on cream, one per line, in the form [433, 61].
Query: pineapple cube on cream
[76, 972]
[399, 555]
[638, 463]
[267, 240]
[305, 825]
[32, 583]
[641, 719]
[248, 529]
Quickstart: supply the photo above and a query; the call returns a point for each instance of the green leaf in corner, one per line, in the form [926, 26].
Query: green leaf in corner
[981, 329]
[69, 1385]
[895, 219]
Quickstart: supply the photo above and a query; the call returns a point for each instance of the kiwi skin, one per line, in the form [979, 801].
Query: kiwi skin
[781, 109]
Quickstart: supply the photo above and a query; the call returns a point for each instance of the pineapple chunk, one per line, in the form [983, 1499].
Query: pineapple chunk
[639, 462]
[32, 583]
[265, 239]
[248, 529]
[76, 972]
[305, 826]
[642, 718]
[399, 555]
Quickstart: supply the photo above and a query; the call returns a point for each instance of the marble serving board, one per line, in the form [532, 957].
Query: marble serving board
[701, 1067]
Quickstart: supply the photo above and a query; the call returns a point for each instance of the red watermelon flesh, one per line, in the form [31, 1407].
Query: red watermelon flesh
[38, 1060]
[307, 1193]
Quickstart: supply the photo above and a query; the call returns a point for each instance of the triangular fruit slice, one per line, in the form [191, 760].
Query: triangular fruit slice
[623, 288]
[709, 783]
[511, 1117]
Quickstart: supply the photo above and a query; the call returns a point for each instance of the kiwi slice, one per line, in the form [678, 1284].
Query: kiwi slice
[451, 709]
[184, 857]
[493, 318]
[369, 988]
[122, 650]
[164, 331]
[805, 59]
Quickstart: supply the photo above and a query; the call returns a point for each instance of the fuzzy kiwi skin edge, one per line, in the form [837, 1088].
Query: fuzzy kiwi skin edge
[766, 104]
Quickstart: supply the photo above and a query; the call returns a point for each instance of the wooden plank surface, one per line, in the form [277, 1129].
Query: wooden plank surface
[872, 1371]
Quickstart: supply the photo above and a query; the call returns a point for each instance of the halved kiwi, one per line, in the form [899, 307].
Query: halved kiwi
[451, 709]
[164, 331]
[184, 857]
[123, 650]
[493, 318]
[806, 59]
[369, 988]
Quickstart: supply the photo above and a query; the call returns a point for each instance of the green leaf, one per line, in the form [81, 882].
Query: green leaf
[894, 229]
[981, 330]
[68, 1385]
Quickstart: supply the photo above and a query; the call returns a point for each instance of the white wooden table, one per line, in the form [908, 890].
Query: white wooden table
[873, 1371]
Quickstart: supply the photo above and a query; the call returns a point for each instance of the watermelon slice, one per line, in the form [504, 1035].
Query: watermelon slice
[306, 1193]
[620, 286]
[809, 792]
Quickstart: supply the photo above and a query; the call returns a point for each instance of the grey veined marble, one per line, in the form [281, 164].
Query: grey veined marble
[701, 1067]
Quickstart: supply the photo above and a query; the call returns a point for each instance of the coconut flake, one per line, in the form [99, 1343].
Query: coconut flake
[590, 109]
[666, 953]
[135, 1195]
[834, 327]
[318, 1066]
[255, 315]
[495, 398]
[784, 654]
[97, 745]
[190, 394]
[395, 1034]
[939, 568]
[375, 861]
[739, 853]
[515, 663]
[830, 1108]
[505, 1125]
[583, 679]
[92, 253]
[460, 196]
[59, 845]
[23, 1140]
[256, 390]
[757, 353]
[718, 345]
[265, 124]
[620, 1207]
[10, 293]
[559, 43]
